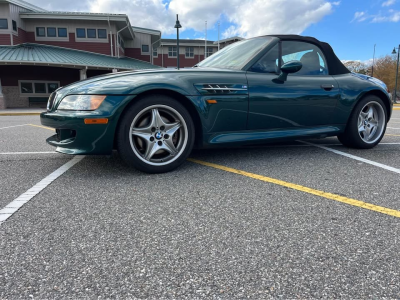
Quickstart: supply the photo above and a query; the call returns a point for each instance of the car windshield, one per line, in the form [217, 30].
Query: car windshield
[236, 55]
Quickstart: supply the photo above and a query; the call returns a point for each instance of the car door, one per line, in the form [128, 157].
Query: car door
[306, 99]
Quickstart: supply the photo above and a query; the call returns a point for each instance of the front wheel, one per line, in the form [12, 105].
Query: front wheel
[156, 134]
[366, 125]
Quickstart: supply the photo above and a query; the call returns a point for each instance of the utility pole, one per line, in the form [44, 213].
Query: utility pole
[205, 43]
[218, 36]
[373, 62]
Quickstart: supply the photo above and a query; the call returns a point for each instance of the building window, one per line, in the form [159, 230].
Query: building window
[81, 33]
[14, 24]
[51, 32]
[51, 87]
[62, 32]
[210, 51]
[155, 52]
[101, 33]
[26, 88]
[40, 31]
[38, 87]
[3, 24]
[172, 51]
[145, 48]
[91, 33]
[189, 52]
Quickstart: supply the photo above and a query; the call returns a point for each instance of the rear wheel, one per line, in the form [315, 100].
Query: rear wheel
[367, 124]
[156, 134]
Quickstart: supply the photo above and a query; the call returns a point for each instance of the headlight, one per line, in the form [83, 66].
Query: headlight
[81, 102]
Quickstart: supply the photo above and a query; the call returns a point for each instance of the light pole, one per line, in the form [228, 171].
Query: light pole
[177, 26]
[373, 62]
[397, 71]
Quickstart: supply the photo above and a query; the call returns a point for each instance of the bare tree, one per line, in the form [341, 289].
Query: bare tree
[356, 66]
[385, 70]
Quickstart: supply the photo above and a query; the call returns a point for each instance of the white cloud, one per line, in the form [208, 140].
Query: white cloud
[359, 16]
[393, 16]
[247, 17]
[260, 17]
[388, 3]
[142, 13]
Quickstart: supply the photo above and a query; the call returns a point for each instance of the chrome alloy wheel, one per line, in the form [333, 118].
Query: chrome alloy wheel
[158, 135]
[371, 122]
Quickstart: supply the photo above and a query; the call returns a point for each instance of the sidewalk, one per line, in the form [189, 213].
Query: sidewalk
[21, 111]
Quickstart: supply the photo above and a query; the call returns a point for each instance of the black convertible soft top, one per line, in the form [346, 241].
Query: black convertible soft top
[335, 66]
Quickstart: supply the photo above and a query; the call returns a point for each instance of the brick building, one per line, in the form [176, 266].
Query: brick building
[191, 52]
[42, 50]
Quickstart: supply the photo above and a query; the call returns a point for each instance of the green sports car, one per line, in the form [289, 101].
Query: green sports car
[270, 88]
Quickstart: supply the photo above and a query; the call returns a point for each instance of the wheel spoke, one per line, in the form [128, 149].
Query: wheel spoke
[361, 128]
[172, 128]
[370, 113]
[367, 133]
[373, 122]
[169, 146]
[156, 120]
[363, 115]
[151, 149]
[144, 133]
[373, 129]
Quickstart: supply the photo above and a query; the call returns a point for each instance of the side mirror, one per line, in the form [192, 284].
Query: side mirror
[288, 68]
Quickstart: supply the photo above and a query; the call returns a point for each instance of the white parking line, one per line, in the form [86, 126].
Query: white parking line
[367, 161]
[14, 126]
[20, 153]
[15, 205]
[392, 128]
[311, 145]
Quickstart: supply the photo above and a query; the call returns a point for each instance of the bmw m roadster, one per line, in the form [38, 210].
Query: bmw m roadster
[264, 89]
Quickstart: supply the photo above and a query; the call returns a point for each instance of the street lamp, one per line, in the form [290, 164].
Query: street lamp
[397, 71]
[177, 26]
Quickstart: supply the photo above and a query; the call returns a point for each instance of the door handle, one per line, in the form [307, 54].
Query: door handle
[327, 87]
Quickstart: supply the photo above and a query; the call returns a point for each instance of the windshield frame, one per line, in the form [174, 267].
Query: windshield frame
[245, 64]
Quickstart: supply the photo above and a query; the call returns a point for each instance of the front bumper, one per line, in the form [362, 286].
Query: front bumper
[73, 136]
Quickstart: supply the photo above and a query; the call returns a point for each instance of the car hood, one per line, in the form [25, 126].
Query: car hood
[123, 83]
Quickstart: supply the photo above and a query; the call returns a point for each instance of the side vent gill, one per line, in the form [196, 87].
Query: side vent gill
[221, 89]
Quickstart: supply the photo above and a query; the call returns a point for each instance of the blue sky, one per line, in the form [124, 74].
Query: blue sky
[352, 27]
[351, 39]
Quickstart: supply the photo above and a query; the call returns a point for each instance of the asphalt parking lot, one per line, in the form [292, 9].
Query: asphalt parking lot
[289, 220]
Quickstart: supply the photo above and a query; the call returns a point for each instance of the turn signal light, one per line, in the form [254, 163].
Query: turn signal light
[211, 101]
[96, 121]
[95, 101]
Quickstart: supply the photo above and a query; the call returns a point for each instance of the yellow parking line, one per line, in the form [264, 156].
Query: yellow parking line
[354, 202]
[42, 127]
[391, 134]
[396, 108]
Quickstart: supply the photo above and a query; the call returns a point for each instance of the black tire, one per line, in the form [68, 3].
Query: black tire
[351, 137]
[128, 147]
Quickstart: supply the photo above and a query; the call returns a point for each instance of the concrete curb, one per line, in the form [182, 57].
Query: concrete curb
[19, 114]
